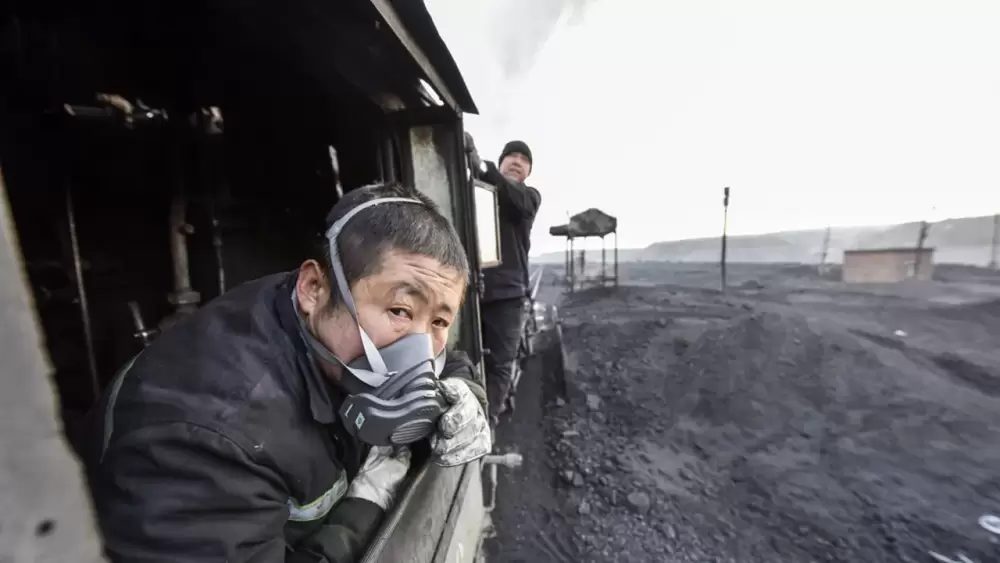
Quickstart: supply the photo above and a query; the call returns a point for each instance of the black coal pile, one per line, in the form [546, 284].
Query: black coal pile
[770, 438]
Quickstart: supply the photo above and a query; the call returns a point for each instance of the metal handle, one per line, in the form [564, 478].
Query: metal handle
[511, 460]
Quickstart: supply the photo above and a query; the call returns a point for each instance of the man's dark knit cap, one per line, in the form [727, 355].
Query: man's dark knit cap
[516, 146]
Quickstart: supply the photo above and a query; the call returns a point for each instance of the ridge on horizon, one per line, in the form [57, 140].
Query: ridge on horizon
[961, 240]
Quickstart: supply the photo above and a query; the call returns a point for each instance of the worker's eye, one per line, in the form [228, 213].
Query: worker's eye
[401, 312]
[442, 323]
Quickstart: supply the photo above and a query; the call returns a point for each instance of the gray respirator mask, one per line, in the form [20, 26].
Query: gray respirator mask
[393, 397]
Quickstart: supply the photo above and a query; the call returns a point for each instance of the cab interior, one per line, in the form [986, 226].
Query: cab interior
[156, 154]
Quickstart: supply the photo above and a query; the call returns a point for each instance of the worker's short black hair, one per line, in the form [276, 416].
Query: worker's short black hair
[400, 226]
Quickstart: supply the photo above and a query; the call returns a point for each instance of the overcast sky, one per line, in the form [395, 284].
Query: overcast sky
[847, 112]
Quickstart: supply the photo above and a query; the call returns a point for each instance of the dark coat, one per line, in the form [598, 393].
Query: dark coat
[224, 444]
[518, 206]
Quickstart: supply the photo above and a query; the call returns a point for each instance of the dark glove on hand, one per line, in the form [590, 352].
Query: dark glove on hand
[475, 163]
[458, 364]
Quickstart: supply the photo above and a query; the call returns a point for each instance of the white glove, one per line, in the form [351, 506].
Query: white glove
[379, 478]
[463, 432]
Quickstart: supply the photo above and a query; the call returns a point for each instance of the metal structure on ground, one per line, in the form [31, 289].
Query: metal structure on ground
[921, 240]
[541, 337]
[824, 267]
[588, 224]
[533, 320]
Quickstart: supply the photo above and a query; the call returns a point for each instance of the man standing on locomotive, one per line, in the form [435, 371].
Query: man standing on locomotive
[221, 441]
[502, 306]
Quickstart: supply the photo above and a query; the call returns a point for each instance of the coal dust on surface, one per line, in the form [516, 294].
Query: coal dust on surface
[794, 419]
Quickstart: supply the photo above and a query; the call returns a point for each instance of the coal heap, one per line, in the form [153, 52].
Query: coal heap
[770, 437]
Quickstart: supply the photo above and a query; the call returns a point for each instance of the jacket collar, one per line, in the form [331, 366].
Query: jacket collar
[324, 399]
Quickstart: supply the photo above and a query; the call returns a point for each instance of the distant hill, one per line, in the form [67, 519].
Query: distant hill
[789, 246]
[959, 241]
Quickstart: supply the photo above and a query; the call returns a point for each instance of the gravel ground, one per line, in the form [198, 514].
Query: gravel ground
[794, 419]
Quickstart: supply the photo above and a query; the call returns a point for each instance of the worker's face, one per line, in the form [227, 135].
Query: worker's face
[408, 294]
[515, 165]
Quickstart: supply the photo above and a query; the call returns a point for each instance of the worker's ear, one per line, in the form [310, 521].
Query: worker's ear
[311, 289]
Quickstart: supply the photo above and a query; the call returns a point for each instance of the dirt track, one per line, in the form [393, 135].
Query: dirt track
[795, 420]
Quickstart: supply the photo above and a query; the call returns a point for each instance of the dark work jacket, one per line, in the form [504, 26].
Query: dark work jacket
[518, 206]
[226, 445]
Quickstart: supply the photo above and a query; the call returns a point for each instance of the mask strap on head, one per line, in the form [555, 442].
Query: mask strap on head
[371, 351]
[315, 345]
[320, 350]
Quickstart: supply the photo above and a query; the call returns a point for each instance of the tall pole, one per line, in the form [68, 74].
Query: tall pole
[996, 241]
[826, 250]
[725, 223]
[921, 239]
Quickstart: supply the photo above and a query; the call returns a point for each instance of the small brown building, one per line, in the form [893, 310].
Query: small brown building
[888, 265]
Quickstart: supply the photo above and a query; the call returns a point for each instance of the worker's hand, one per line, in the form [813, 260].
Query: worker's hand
[475, 163]
[463, 433]
[381, 475]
